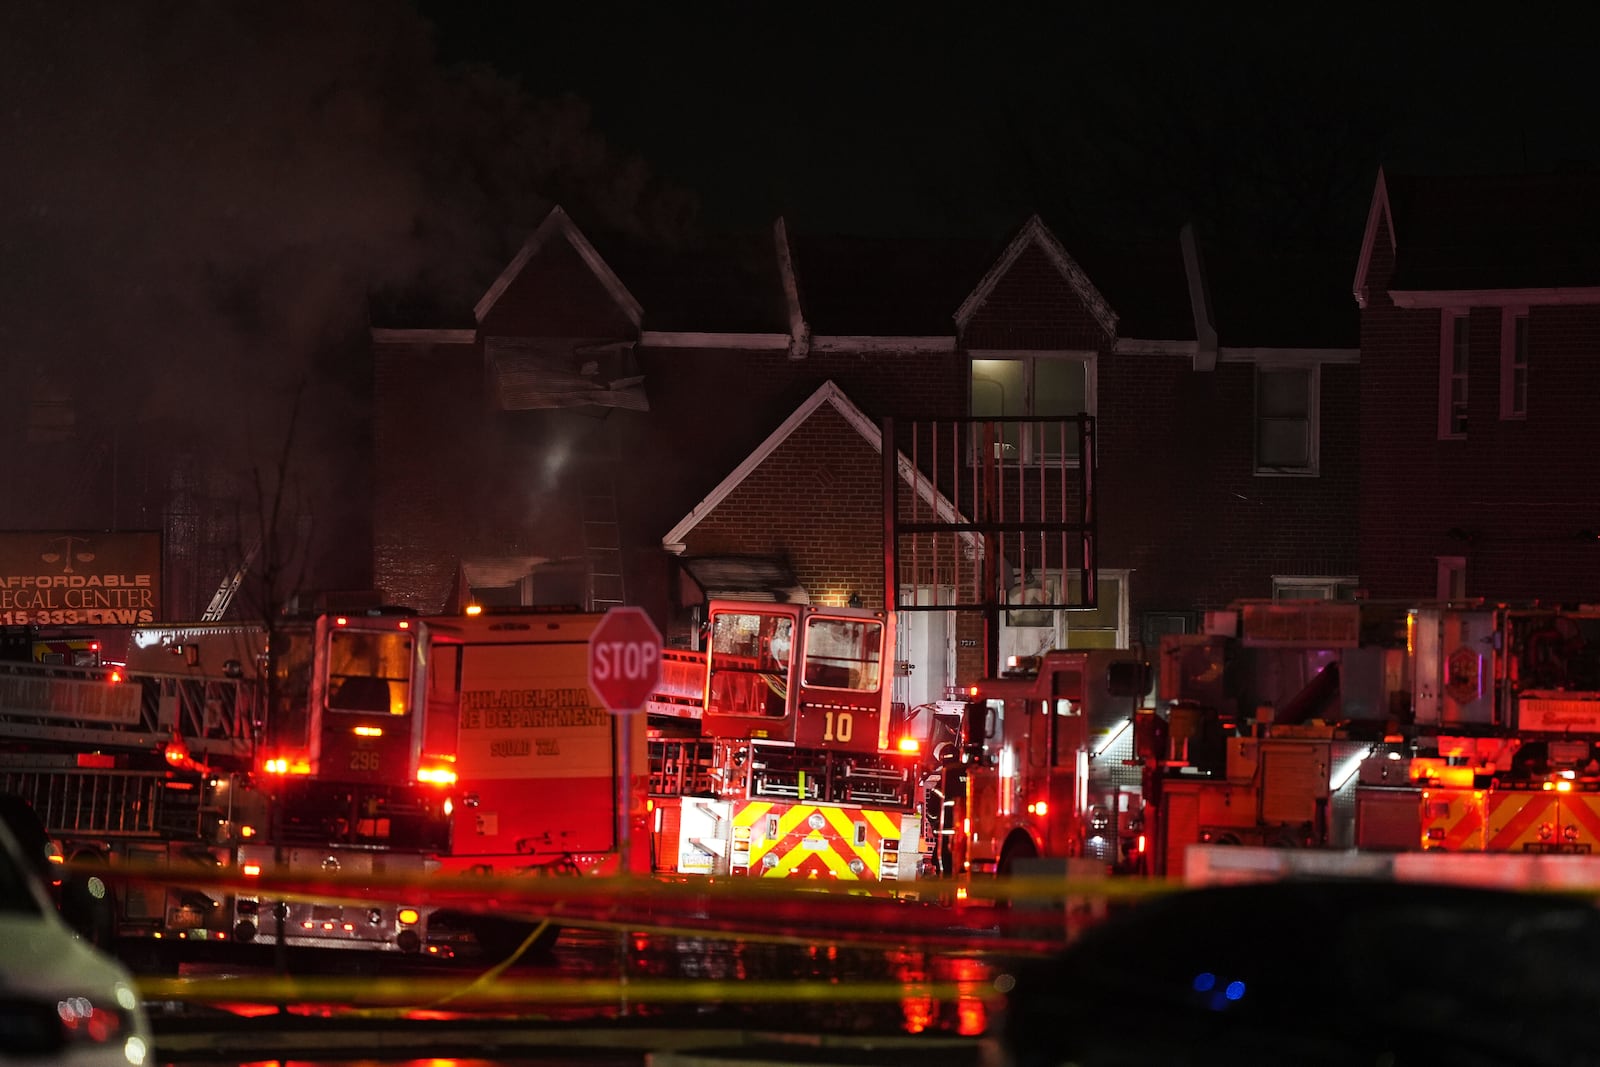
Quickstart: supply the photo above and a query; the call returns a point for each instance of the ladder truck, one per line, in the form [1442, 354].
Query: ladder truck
[123, 766]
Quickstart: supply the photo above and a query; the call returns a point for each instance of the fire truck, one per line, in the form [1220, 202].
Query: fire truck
[1044, 768]
[775, 751]
[532, 760]
[1268, 720]
[124, 767]
[1379, 727]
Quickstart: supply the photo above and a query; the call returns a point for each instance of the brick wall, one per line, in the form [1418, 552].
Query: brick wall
[1513, 496]
[816, 501]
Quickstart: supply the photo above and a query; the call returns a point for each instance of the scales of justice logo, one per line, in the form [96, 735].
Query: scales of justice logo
[66, 551]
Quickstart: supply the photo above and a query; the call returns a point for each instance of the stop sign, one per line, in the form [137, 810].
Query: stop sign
[624, 659]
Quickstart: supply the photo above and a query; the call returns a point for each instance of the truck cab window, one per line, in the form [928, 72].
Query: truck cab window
[751, 653]
[368, 672]
[843, 654]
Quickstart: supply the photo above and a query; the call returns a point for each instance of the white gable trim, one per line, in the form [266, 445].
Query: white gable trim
[559, 224]
[763, 342]
[381, 336]
[1036, 232]
[1378, 211]
[827, 393]
[1577, 295]
[799, 329]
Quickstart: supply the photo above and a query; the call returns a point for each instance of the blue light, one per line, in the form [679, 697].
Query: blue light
[1205, 982]
[1235, 990]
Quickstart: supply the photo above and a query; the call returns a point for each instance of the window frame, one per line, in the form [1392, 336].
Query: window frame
[1513, 362]
[1449, 320]
[1450, 568]
[1313, 420]
[1314, 587]
[1029, 358]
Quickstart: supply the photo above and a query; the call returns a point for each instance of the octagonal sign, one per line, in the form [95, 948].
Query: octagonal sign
[1463, 675]
[625, 659]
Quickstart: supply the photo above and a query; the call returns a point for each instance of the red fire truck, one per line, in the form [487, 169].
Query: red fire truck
[127, 767]
[775, 751]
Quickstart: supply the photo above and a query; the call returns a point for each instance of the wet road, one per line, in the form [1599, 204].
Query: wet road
[632, 995]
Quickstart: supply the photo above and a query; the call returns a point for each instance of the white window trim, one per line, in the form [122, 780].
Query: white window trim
[1508, 363]
[1326, 584]
[1447, 349]
[1091, 377]
[1449, 567]
[1313, 468]
[1121, 576]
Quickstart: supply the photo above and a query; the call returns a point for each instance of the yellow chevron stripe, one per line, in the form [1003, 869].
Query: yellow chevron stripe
[755, 809]
[883, 822]
[846, 829]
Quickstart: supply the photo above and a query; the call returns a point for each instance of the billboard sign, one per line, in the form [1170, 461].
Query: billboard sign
[79, 578]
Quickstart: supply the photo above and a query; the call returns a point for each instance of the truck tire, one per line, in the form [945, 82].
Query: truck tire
[499, 939]
[88, 903]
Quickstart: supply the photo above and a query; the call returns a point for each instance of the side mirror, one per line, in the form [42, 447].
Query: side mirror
[1128, 678]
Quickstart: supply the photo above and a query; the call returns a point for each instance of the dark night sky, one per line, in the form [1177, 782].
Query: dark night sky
[943, 117]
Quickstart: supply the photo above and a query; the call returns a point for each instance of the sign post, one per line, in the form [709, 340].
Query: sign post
[624, 669]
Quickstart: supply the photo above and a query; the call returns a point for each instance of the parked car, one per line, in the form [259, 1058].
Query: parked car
[62, 1001]
[1319, 973]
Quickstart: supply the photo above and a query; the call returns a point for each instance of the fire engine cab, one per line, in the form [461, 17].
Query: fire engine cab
[775, 751]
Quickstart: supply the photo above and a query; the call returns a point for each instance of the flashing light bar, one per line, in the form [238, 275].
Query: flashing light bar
[368, 731]
[341, 621]
[474, 609]
[283, 766]
[910, 745]
[252, 870]
[436, 775]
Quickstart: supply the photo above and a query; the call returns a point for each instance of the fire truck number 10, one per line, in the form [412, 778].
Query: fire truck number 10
[838, 726]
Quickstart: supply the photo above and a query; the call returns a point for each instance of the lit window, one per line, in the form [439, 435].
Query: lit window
[1454, 344]
[1287, 402]
[1041, 386]
[1104, 626]
[1514, 363]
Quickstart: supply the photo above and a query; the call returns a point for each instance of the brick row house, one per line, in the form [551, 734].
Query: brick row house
[616, 423]
[1480, 333]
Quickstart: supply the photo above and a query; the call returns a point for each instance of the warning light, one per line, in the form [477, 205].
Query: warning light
[474, 609]
[251, 870]
[1041, 808]
[276, 766]
[94, 646]
[973, 691]
[116, 676]
[436, 775]
[368, 731]
[408, 915]
[405, 625]
[1141, 844]
[910, 745]
[247, 831]
[341, 621]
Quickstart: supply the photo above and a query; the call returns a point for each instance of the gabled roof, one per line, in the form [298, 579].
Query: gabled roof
[1486, 233]
[1377, 214]
[827, 393]
[1035, 232]
[558, 225]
